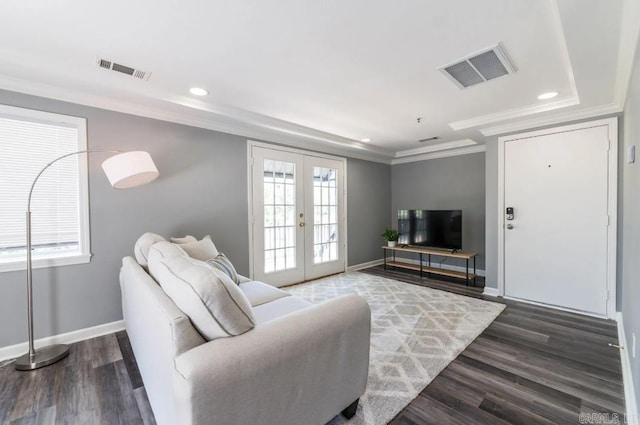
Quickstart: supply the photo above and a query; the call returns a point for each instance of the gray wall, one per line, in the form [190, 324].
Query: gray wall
[368, 203]
[629, 234]
[202, 190]
[455, 182]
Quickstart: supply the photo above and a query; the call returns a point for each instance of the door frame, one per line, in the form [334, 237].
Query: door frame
[253, 143]
[612, 207]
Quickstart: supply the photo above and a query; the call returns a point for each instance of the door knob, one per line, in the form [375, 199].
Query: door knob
[509, 226]
[302, 224]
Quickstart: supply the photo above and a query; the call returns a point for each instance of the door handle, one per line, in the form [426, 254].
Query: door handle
[509, 226]
[302, 224]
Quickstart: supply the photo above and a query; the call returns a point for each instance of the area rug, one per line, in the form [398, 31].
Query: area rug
[415, 333]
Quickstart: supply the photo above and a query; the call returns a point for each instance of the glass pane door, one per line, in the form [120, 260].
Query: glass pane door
[278, 201]
[325, 215]
[279, 215]
[324, 237]
[297, 222]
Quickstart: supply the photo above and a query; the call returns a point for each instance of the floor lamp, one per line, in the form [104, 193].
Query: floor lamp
[124, 170]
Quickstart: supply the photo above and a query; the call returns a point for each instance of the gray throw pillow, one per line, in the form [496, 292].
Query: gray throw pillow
[222, 263]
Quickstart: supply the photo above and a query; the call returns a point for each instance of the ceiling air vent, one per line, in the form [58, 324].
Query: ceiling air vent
[479, 67]
[430, 140]
[123, 69]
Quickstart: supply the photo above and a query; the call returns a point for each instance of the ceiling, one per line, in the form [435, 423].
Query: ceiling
[327, 74]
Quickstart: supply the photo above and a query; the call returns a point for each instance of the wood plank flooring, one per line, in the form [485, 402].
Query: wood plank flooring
[533, 365]
[98, 383]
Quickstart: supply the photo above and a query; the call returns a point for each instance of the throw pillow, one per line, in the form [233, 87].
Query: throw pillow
[200, 250]
[222, 263]
[186, 239]
[142, 246]
[215, 305]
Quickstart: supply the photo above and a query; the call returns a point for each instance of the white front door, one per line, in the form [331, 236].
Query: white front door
[297, 218]
[556, 245]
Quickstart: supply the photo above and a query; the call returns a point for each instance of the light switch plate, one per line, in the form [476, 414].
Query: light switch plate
[631, 154]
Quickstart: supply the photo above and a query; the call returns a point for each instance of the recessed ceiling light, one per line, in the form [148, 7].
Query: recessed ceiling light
[198, 91]
[549, 95]
[365, 140]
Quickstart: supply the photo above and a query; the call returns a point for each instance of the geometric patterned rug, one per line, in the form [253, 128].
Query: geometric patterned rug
[415, 333]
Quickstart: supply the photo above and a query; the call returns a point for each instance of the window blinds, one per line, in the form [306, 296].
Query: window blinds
[26, 146]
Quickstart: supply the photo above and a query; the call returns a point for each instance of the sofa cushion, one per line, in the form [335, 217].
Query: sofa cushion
[278, 308]
[201, 250]
[215, 304]
[142, 246]
[259, 293]
[222, 263]
[186, 239]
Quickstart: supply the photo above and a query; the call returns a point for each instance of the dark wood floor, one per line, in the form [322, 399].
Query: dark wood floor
[533, 365]
[98, 383]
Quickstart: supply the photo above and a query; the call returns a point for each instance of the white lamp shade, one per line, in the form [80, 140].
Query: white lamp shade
[130, 169]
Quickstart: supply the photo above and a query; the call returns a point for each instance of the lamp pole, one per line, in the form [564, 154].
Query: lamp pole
[53, 353]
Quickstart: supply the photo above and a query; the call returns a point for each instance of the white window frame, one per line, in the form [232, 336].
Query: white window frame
[83, 255]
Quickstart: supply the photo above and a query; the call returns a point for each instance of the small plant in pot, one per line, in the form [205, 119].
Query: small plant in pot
[391, 236]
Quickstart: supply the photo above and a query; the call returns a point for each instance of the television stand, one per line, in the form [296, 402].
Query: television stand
[467, 276]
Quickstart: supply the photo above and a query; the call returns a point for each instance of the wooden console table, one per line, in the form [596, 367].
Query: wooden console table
[428, 269]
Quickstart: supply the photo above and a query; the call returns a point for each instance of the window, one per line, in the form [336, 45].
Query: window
[29, 140]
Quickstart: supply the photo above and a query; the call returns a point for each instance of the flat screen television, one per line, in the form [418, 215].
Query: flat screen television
[431, 228]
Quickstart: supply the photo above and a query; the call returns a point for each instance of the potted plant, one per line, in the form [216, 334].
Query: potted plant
[391, 236]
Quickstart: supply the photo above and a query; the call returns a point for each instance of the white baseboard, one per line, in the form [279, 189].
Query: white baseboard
[13, 351]
[479, 272]
[627, 377]
[365, 265]
[492, 292]
[557, 307]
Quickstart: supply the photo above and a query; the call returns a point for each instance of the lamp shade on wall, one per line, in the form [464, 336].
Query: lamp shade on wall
[130, 169]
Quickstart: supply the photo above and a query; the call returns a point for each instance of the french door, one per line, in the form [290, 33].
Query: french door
[297, 216]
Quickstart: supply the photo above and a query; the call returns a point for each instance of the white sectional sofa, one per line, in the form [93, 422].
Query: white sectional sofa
[298, 364]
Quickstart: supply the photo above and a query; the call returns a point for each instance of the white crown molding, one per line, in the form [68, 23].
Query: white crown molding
[514, 113]
[436, 147]
[629, 38]
[559, 118]
[248, 125]
[571, 99]
[442, 154]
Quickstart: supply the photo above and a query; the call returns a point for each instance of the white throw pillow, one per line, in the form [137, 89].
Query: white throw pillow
[186, 239]
[216, 306]
[200, 250]
[142, 246]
